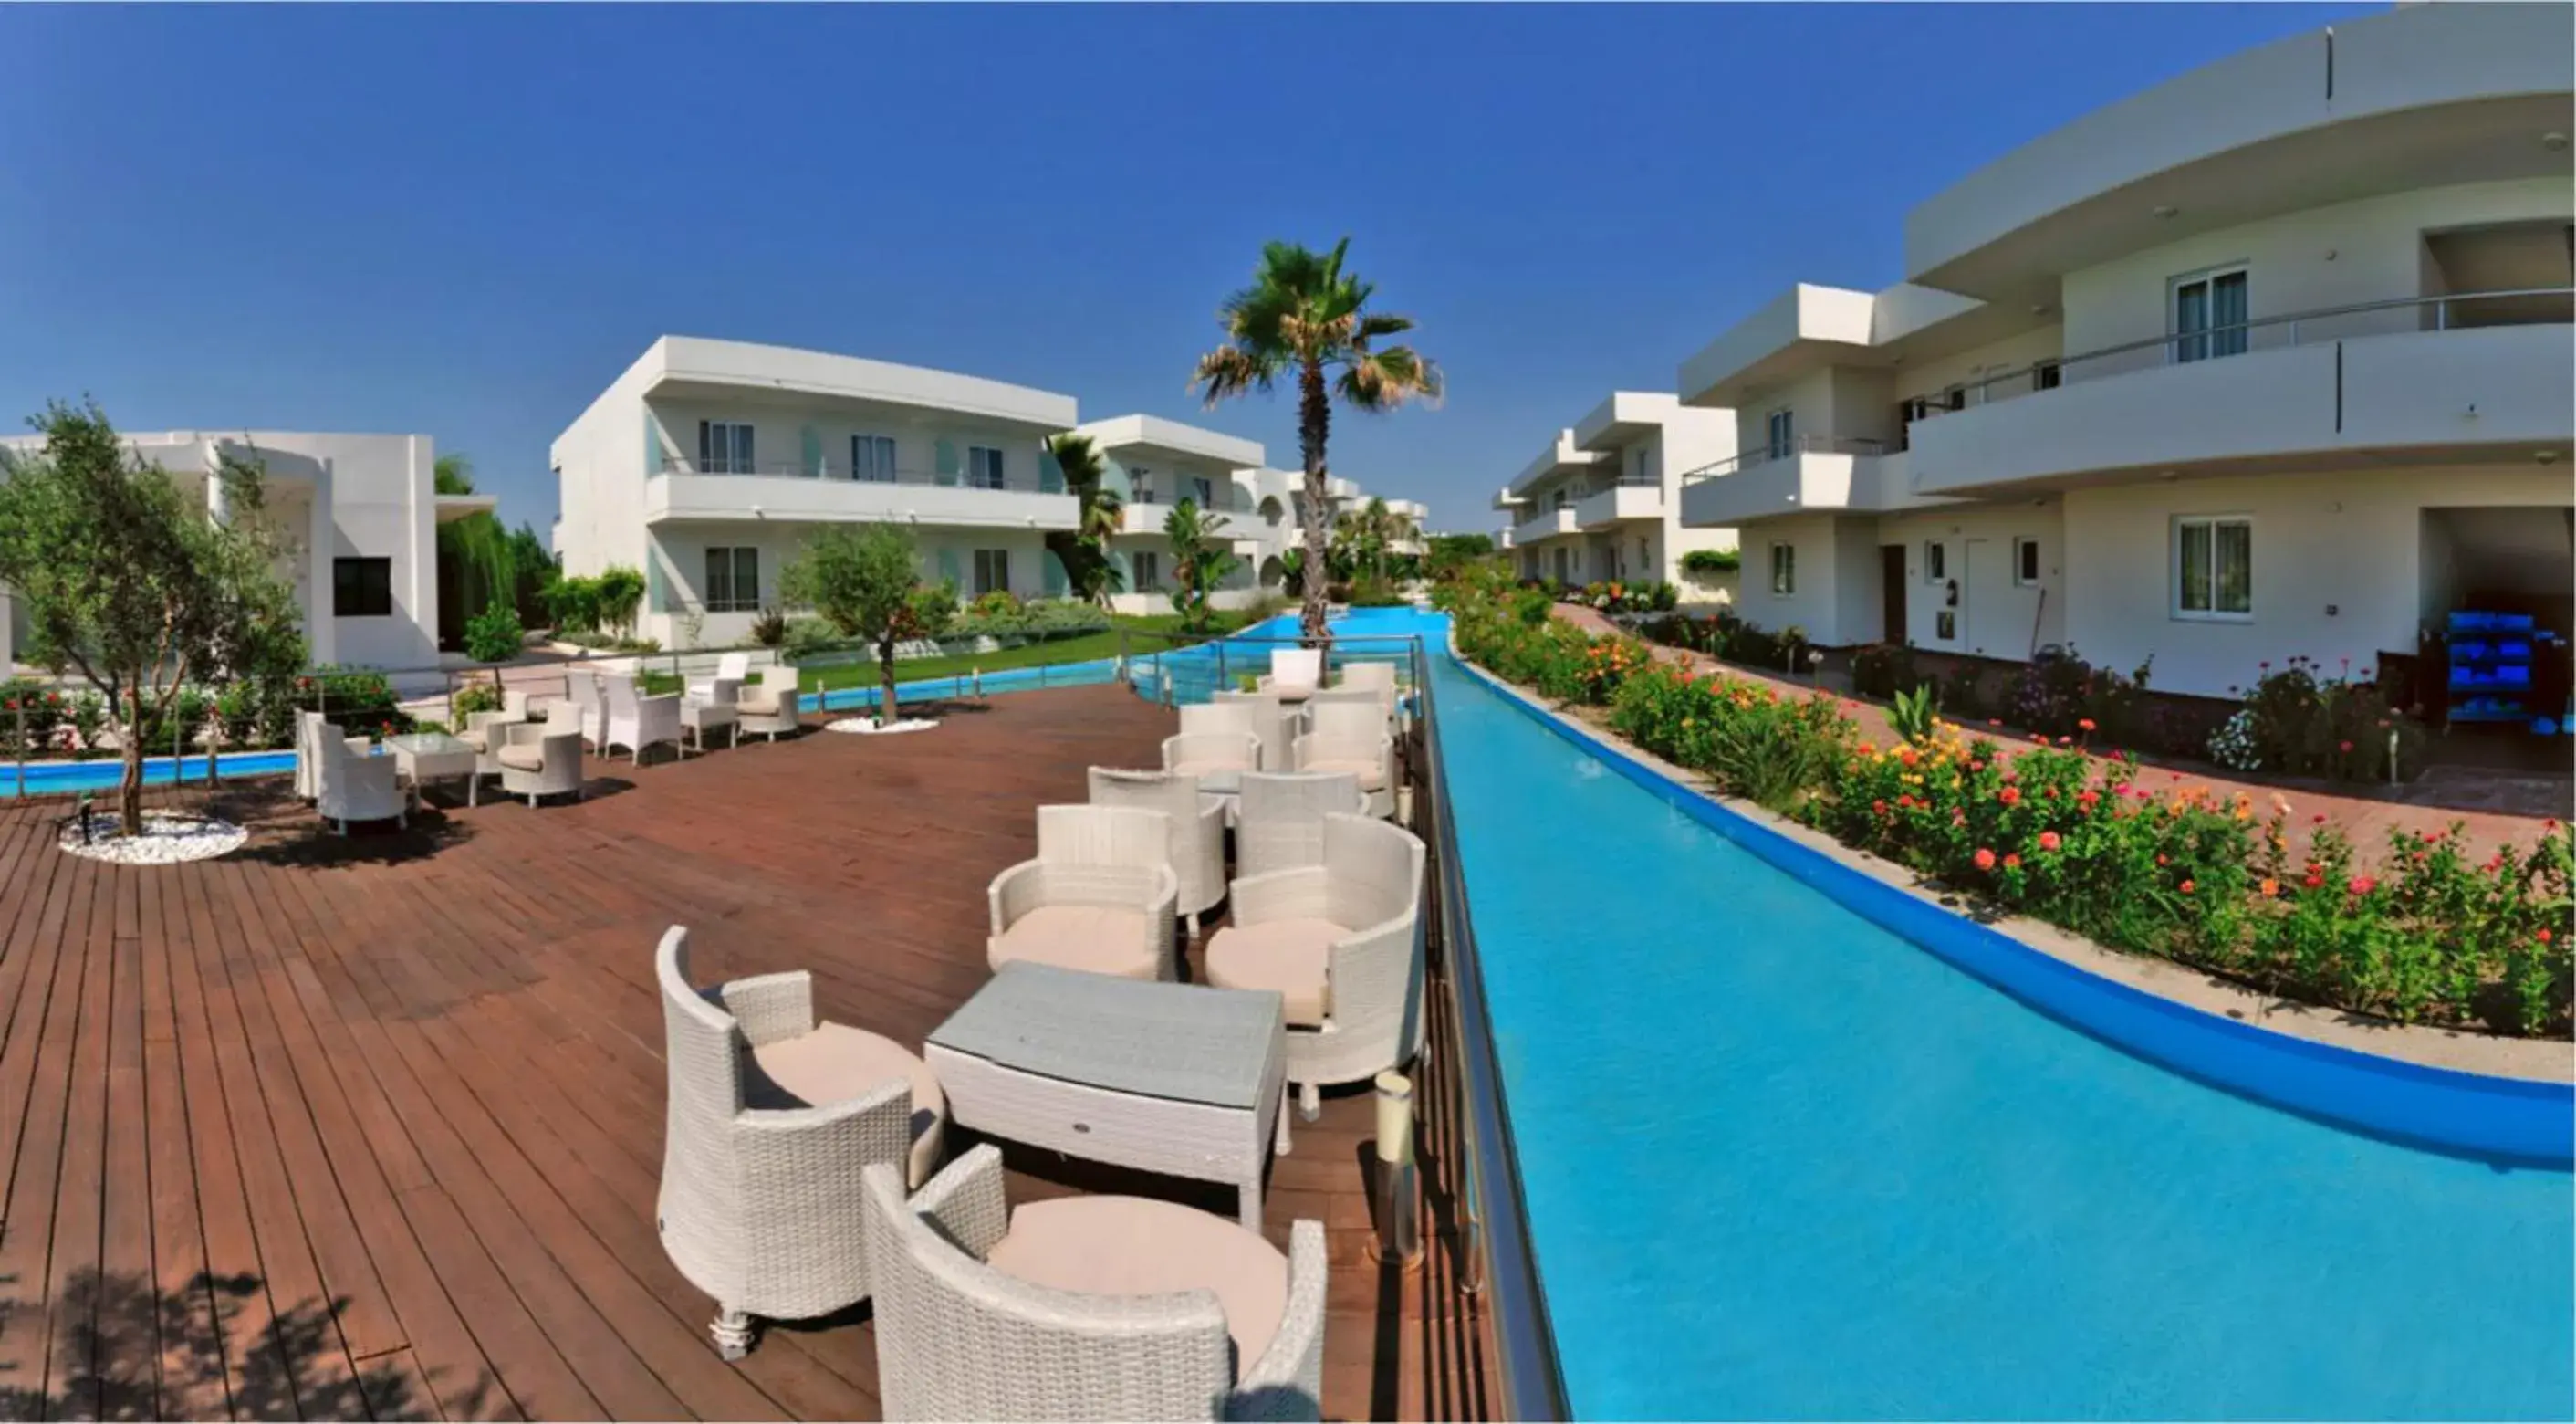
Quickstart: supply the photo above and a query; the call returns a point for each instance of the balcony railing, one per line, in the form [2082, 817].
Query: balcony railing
[2525, 306]
[841, 472]
[1796, 445]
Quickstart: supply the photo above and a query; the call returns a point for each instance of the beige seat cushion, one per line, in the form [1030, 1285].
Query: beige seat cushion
[762, 703]
[1100, 939]
[1132, 1246]
[1286, 956]
[476, 738]
[836, 1063]
[522, 756]
[1372, 775]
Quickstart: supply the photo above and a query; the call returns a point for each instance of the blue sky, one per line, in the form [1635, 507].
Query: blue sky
[466, 220]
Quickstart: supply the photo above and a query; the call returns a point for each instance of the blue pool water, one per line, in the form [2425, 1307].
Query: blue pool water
[50, 778]
[1782, 1164]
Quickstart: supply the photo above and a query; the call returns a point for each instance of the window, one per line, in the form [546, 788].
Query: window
[362, 588]
[1645, 558]
[1784, 570]
[724, 447]
[1779, 434]
[2026, 562]
[1637, 467]
[992, 571]
[983, 467]
[1140, 485]
[872, 458]
[1955, 398]
[2214, 566]
[1936, 561]
[733, 580]
[1149, 571]
[2209, 315]
[1203, 491]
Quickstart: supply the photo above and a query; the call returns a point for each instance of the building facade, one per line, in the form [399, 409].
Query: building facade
[1151, 465]
[2271, 360]
[359, 514]
[1602, 502]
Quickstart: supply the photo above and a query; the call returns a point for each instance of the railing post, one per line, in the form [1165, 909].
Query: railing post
[1221, 683]
[24, 751]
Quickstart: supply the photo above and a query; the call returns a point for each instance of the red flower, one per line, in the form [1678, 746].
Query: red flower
[2012, 862]
[2088, 799]
[2084, 723]
[2314, 881]
[2186, 887]
[2544, 934]
[1984, 858]
[2048, 840]
[1878, 808]
[2010, 795]
[2160, 858]
[2361, 884]
[2343, 746]
[2319, 819]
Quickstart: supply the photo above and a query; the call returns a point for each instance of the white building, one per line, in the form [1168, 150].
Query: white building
[1152, 464]
[706, 462]
[2205, 376]
[360, 517]
[1602, 502]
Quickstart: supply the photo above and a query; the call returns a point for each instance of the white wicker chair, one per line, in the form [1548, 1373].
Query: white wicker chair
[1197, 827]
[769, 707]
[1100, 897]
[351, 785]
[310, 729]
[635, 721]
[1217, 744]
[541, 758]
[1341, 942]
[479, 733]
[1085, 1307]
[1295, 674]
[1270, 722]
[1380, 678]
[1279, 818]
[1351, 736]
[581, 689]
[732, 667]
[760, 1203]
[712, 702]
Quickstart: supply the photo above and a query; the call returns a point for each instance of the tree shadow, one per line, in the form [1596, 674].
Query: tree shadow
[125, 1349]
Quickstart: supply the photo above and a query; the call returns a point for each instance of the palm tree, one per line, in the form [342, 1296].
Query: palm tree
[1090, 575]
[1199, 560]
[1304, 318]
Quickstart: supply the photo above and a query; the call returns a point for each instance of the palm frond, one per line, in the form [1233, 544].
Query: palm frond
[1383, 380]
[1230, 371]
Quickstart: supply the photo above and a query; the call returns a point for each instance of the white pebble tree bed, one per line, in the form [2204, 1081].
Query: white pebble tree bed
[168, 838]
[867, 727]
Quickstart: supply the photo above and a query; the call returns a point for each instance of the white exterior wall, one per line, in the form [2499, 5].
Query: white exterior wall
[1818, 604]
[2338, 566]
[1996, 614]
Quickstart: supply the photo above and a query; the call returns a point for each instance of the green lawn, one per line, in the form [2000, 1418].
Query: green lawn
[1081, 648]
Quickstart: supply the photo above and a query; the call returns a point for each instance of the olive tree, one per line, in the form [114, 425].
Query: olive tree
[125, 578]
[865, 580]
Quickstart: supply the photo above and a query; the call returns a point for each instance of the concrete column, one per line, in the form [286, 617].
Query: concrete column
[218, 499]
[321, 543]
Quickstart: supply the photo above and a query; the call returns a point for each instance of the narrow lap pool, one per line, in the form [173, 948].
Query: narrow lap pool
[1782, 1164]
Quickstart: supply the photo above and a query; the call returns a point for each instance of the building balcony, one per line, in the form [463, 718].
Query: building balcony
[1814, 476]
[823, 492]
[1630, 499]
[2307, 390]
[1546, 524]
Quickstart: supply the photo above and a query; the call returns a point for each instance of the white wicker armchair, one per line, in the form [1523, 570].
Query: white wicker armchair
[1295, 674]
[352, 785]
[1197, 826]
[581, 689]
[760, 1204]
[1351, 736]
[769, 707]
[1279, 818]
[1270, 722]
[310, 729]
[1217, 744]
[1377, 677]
[732, 667]
[479, 733]
[1100, 897]
[541, 758]
[1341, 942]
[635, 721]
[1085, 1307]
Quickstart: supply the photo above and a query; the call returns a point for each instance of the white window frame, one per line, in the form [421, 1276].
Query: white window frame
[1784, 569]
[992, 571]
[2038, 566]
[985, 468]
[2173, 568]
[1140, 484]
[1936, 561]
[1147, 565]
[1779, 433]
[2206, 278]
[1203, 491]
[732, 599]
[734, 439]
[872, 458]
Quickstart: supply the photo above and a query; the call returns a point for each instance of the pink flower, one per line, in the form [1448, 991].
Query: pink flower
[2010, 796]
[2048, 840]
[1984, 858]
[2361, 885]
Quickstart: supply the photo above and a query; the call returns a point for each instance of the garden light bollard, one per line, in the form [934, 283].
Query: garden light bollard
[1398, 1236]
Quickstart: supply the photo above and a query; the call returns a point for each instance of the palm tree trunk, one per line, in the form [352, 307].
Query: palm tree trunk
[1314, 425]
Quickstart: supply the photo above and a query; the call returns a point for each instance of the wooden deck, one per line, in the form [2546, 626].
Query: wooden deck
[337, 1129]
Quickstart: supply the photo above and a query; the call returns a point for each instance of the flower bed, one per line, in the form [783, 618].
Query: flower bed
[2427, 932]
[39, 722]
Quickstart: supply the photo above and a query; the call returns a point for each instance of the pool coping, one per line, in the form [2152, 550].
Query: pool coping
[2507, 1118]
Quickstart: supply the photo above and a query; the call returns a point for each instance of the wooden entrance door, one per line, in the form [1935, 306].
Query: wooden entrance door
[1891, 585]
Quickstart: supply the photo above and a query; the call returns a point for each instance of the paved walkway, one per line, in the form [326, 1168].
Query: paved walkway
[2366, 819]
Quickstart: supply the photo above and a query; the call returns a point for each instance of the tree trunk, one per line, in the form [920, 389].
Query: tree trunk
[129, 790]
[1314, 424]
[885, 674]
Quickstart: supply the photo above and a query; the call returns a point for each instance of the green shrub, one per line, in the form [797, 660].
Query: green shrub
[1911, 714]
[1884, 670]
[495, 635]
[1710, 563]
[770, 628]
[2305, 724]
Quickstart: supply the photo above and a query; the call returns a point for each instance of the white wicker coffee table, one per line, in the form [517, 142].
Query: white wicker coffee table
[421, 757]
[1161, 1077]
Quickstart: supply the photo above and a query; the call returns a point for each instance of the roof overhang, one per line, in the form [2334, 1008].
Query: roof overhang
[1560, 458]
[453, 507]
[1623, 418]
[693, 367]
[1170, 438]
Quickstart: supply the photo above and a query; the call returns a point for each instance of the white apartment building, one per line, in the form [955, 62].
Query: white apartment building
[1152, 464]
[2273, 359]
[360, 516]
[706, 463]
[1602, 502]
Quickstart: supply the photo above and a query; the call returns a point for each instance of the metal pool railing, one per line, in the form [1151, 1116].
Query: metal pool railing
[1470, 1164]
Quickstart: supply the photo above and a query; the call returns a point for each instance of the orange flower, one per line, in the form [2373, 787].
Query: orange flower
[1984, 858]
[2270, 887]
[2048, 840]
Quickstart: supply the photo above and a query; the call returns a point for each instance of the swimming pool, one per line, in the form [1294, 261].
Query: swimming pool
[1780, 1163]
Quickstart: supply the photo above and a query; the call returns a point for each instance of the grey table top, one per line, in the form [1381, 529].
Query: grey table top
[428, 743]
[1178, 1041]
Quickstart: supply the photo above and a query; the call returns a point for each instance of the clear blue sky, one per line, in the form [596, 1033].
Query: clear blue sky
[466, 220]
